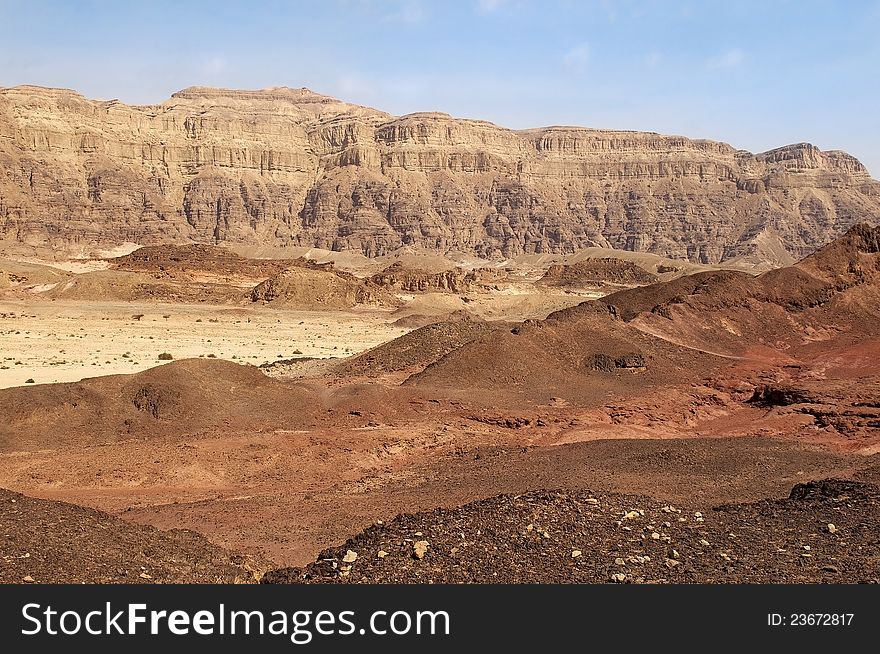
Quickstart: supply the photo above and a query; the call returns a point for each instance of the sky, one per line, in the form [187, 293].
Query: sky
[757, 75]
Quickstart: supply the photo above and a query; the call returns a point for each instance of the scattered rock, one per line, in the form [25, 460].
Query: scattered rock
[350, 557]
[420, 548]
[588, 545]
[830, 568]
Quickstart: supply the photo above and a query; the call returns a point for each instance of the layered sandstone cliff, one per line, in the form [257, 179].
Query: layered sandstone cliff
[292, 167]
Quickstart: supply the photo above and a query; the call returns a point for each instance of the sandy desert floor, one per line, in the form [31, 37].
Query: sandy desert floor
[62, 341]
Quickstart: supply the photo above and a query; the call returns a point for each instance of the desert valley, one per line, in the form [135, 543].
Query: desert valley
[273, 336]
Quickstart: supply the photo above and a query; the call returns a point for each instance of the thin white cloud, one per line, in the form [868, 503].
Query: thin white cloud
[387, 11]
[730, 59]
[410, 12]
[488, 6]
[577, 58]
[610, 10]
[653, 59]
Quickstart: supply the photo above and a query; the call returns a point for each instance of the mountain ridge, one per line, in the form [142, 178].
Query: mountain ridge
[287, 166]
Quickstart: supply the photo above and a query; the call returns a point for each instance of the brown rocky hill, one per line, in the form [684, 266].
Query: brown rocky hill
[319, 287]
[291, 167]
[406, 278]
[187, 261]
[830, 296]
[679, 331]
[45, 541]
[596, 271]
[181, 397]
[418, 348]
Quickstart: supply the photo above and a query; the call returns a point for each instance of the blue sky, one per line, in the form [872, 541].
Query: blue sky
[754, 74]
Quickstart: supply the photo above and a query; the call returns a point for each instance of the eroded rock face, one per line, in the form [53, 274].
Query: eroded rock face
[597, 271]
[292, 167]
[317, 287]
[398, 276]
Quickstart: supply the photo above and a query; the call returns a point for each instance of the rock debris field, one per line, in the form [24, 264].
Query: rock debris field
[825, 531]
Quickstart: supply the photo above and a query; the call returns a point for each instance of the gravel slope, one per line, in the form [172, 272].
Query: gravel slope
[824, 532]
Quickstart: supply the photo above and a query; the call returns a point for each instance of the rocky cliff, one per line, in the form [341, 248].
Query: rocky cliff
[292, 167]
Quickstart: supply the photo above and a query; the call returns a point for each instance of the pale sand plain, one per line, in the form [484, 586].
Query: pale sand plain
[63, 341]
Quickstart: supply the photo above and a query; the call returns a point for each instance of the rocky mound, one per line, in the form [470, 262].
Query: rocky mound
[583, 359]
[844, 258]
[416, 320]
[825, 532]
[415, 350]
[179, 398]
[51, 542]
[23, 278]
[184, 260]
[318, 287]
[126, 286]
[398, 276]
[592, 272]
[290, 167]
